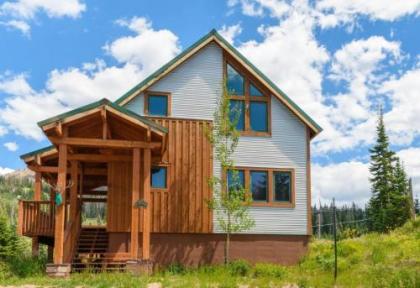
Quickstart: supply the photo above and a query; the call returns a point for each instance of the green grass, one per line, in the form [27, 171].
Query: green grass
[373, 260]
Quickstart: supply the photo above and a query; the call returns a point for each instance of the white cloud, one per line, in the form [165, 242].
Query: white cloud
[24, 106]
[148, 49]
[230, 32]
[20, 25]
[345, 181]
[411, 160]
[11, 146]
[5, 170]
[403, 118]
[334, 12]
[19, 13]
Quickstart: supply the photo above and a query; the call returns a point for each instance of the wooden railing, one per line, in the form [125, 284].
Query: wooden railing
[71, 236]
[36, 218]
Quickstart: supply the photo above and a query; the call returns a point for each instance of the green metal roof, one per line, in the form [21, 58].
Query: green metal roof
[39, 151]
[239, 55]
[99, 103]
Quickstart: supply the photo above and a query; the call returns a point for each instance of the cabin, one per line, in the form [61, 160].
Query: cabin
[147, 159]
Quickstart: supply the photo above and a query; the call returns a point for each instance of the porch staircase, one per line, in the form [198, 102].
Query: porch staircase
[91, 252]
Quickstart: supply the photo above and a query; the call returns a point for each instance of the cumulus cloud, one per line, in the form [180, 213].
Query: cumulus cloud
[24, 106]
[411, 160]
[230, 32]
[11, 146]
[5, 170]
[18, 14]
[346, 181]
[141, 49]
[335, 12]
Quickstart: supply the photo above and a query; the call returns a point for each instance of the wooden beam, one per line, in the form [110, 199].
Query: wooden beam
[73, 189]
[100, 158]
[134, 243]
[59, 129]
[104, 124]
[60, 210]
[92, 142]
[146, 211]
[45, 169]
[38, 186]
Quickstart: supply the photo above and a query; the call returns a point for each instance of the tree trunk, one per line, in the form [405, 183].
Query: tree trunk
[227, 248]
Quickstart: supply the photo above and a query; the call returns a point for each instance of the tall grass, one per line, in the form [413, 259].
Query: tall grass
[373, 260]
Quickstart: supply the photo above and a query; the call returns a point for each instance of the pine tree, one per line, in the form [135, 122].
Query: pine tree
[401, 196]
[382, 179]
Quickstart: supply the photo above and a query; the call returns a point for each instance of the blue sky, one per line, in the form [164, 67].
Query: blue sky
[338, 60]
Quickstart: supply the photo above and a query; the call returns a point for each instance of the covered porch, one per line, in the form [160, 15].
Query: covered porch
[89, 147]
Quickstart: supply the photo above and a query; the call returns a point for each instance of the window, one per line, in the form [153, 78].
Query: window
[258, 116]
[236, 180]
[282, 186]
[237, 115]
[235, 82]
[259, 187]
[157, 103]
[250, 105]
[272, 187]
[159, 176]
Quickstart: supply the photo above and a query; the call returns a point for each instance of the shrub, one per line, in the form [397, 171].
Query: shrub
[269, 270]
[239, 268]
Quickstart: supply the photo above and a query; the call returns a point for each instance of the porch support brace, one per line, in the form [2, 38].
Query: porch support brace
[60, 210]
[134, 243]
[146, 211]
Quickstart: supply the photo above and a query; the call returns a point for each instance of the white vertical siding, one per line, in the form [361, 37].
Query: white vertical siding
[195, 87]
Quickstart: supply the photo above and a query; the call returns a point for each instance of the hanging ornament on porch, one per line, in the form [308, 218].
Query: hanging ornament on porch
[58, 199]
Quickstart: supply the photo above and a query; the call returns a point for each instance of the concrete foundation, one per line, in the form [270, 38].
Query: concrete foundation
[58, 270]
[140, 267]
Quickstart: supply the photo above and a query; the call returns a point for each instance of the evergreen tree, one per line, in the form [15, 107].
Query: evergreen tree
[382, 179]
[389, 206]
[401, 196]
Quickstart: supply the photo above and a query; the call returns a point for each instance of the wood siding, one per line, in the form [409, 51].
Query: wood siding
[182, 207]
[195, 87]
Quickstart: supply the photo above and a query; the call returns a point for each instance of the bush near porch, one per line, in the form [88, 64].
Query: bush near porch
[373, 260]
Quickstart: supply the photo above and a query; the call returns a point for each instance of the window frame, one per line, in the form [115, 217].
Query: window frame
[270, 189]
[147, 94]
[247, 98]
[166, 189]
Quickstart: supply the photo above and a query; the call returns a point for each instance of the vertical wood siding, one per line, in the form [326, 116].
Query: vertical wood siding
[195, 87]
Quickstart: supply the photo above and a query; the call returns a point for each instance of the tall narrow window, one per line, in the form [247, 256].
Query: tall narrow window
[158, 177]
[156, 104]
[258, 116]
[236, 180]
[237, 113]
[235, 81]
[259, 185]
[282, 186]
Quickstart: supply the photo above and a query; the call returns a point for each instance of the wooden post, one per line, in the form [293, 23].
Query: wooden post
[38, 186]
[60, 210]
[146, 211]
[37, 197]
[74, 170]
[134, 243]
[20, 218]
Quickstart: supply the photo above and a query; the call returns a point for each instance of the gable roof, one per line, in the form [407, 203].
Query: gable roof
[104, 102]
[213, 35]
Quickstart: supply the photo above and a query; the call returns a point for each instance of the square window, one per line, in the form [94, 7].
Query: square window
[258, 116]
[237, 113]
[259, 185]
[235, 82]
[158, 177]
[157, 105]
[282, 186]
[236, 180]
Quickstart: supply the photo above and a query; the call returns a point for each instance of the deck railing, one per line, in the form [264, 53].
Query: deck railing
[36, 218]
